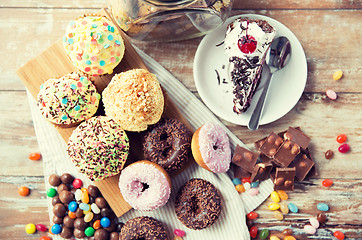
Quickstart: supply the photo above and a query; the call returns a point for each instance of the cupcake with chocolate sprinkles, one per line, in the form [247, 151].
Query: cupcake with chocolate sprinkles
[98, 148]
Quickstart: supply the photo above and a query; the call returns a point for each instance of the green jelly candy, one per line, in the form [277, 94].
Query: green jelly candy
[51, 192]
[89, 231]
[264, 234]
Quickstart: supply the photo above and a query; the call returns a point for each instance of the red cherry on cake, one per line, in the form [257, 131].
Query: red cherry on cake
[247, 44]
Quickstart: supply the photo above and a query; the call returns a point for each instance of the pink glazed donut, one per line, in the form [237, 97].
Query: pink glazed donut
[211, 148]
[145, 185]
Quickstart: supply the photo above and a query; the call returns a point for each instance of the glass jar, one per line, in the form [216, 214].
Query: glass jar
[169, 20]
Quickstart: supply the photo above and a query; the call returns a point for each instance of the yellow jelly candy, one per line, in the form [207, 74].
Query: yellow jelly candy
[283, 195]
[274, 238]
[289, 238]
[88, 217]
[337, 75]
[273, 206]
[30, 228]
[278, 215]
[85, 197]
[284, 208]
[275, 197]
[240, 188]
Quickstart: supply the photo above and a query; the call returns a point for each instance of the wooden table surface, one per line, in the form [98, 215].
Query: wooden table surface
[330, 33]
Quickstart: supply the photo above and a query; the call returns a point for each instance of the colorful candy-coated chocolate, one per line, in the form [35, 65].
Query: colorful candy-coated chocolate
[240, 188]
[339, 235]
[328, 154]
[88, 217]
[72, 215]
[331, 94]
[51, 192]
[274, 238]
[97, 224]
[23, 191]
[89, 231]
[254, 184]
[309, 229]
[246, 180]
[56, 229]
[293, 208]
[327, 182]
[105, 222]
[323, 207]
[287, 232]
[252, 215]
[253, 191]
[73, 206]
[35, 156]
[337, 75]
[30, 228]
[275, 197]
[282, 195]
[314, 222]
[290, 238]
[284, 208]
[179, 232]
[41, 228]
[253, 231]
[273, 206]
[263, 234]
[236, 181]
[278, 215]
[341, 138]
[77, 183]
[343, 148]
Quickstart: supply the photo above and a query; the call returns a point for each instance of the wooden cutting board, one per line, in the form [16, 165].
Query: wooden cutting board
[54, 62]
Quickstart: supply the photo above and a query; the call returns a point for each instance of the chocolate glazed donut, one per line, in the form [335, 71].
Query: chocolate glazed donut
[168, 144]
[198, 204]
[145, 228]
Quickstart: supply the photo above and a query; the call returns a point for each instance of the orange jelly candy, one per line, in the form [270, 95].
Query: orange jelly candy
[34, 156]
[23, 191]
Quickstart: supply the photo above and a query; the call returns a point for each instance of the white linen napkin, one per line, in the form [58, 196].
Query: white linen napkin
[231, 223]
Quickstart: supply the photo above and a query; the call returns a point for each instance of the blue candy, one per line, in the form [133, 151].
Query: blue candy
[292, 207]
[72, 206]
[105, 222]
[323, 207]
[236, 181]
[56, 229]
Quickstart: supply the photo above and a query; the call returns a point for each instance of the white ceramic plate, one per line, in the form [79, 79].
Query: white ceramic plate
[285, 89]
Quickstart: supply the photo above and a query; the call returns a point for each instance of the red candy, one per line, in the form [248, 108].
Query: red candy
[246, 179]
[77, 183]
[45, 238]
[179, 232]
[41, 228]
[327, 182]
[34, 156]
[339, 235]
[341, 138]
[253, 232]
[252, 215]
[343, 148]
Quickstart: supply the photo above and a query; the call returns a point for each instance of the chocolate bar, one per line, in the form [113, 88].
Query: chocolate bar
[284, 179]
[286, 153]
[239, 172]
[271, 145]
[302, 165]
[298, 137]
[261, 172]
[244, 158]
[259, 143]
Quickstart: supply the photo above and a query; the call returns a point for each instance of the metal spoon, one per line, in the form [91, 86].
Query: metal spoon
[280, 51]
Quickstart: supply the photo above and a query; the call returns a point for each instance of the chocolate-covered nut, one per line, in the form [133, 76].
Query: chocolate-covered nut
[72, 190]
[93, 191]
[101, 234]
[107, 212]
[114, 236]
[80, 224]
[96, 217]
[54, 180]
[79, 233]
[66, 232]
[322, 218]
[66, 197]
[55, 200]
[57, 220]
[112, 227]
[59, 210]
[79, 213]
[66, 178]
[68, 221]
[119, 226]
[62, 187]
[101, 202]
[91, 200]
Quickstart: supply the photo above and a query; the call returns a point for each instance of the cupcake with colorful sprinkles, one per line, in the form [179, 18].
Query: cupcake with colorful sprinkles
[94, 45]
[68, 100]
[98, 148]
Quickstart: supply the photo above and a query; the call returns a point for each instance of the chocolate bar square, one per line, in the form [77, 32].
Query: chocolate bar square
[261, 172]
[297, 136]
[271, 145]
[286, 153]
[302, 166]
[259, 143]
[284, 179]
[244, 158]
[239, 172]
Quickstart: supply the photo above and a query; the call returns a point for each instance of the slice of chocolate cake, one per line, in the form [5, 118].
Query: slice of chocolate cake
[246, 43]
